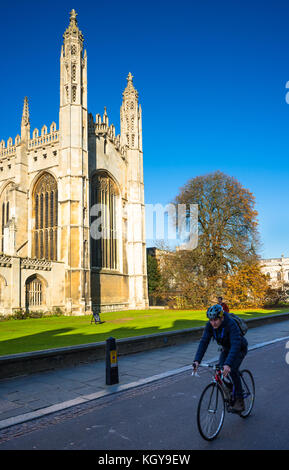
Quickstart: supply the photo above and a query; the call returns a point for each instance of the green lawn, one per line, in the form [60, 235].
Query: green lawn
[19, 336]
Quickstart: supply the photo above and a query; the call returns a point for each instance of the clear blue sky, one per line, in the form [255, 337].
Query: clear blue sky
[211, 79]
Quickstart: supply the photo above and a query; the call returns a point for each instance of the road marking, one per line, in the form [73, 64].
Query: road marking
[260, 345]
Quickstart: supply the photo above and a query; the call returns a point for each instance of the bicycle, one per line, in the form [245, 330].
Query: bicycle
[218, 396]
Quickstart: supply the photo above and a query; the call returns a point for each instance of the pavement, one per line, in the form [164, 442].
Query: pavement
[24, 398]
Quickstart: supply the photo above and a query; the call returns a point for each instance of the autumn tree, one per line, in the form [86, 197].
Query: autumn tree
[227, 222]
[246, 286]
[227, 235]
[183, 282]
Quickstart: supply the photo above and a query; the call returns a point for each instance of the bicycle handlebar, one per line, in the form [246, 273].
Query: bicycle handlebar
[212, 366]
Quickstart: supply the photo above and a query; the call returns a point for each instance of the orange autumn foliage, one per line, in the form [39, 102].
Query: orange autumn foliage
[246, 286]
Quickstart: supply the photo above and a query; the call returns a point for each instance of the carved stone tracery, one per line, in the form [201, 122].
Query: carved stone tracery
[104, 249]
[45, 207]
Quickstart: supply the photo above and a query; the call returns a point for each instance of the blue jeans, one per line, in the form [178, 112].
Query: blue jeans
[235, 374]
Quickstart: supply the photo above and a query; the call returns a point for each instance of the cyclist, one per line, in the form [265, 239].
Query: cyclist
[223, 304]
[234, 348]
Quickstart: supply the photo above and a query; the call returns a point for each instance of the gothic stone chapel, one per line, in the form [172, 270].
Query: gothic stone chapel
[51, 183]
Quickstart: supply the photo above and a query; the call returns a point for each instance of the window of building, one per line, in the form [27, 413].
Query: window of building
[5, 207]
[104, 243]
[34, 292]
[45, 205]
[1, 291]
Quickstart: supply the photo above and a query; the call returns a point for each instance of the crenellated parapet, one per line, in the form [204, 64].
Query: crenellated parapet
[37, 140]
[44, 138]
[10, 149]
[101, 127]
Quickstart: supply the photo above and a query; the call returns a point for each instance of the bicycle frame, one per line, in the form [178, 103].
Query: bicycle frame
[218, 378]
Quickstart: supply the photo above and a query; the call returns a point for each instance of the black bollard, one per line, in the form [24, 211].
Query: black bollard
[111, 362]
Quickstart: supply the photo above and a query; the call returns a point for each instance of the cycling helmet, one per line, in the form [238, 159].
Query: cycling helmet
[216, 311]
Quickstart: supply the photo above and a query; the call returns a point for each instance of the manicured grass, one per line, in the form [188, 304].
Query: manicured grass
[17, 336]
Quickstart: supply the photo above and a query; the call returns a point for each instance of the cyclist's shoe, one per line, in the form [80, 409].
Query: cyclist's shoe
[238, 406]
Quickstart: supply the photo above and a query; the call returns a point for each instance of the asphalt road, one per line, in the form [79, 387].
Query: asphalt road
[162, 415]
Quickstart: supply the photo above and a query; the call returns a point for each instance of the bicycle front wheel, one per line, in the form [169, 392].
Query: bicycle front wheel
[248, 386]
[211, 412]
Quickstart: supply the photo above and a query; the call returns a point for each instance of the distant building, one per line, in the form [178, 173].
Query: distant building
[159, 255]
[156, 253]
[276, 270]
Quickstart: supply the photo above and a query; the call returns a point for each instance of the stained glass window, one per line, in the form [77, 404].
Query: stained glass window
[44, 237]
[104, 243]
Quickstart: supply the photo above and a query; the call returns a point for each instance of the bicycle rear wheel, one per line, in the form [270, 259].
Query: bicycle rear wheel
[248, 386]
[211, 411]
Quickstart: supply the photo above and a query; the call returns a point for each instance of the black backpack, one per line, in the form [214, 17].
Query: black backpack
[241, 323]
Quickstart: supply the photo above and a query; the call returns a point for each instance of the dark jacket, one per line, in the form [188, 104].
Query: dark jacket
[227, 335]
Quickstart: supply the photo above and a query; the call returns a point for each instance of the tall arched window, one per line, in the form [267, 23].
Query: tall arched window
[2, 284]
[5, 208]
[104, 243]
[44, 235]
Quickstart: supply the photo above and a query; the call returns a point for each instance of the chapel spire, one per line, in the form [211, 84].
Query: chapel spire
[25, 122]
[130, 117]
[72, 32]
[73, 16]
[73, 66]
[25, 114]
[130, 91]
